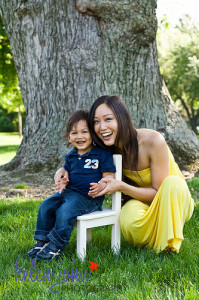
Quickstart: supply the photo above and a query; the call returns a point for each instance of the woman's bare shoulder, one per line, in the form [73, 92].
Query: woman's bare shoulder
[150, 137]
[151, 145]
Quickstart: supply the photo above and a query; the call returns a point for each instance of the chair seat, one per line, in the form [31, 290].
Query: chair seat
[108, 216]
[106, 212]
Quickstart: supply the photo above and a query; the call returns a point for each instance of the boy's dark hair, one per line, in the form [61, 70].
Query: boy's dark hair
[81, 114]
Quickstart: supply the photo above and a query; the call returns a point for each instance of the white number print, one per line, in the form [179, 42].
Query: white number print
[91, 164]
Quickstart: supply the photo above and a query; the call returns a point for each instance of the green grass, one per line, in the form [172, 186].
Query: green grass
[194, 186]
[136, 273]
[9, 143]
[21, 186]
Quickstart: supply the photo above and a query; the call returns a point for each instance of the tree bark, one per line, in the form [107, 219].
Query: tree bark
[68, 53]
[19, 123]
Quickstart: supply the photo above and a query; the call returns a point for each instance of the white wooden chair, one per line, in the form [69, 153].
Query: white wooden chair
[109, 216]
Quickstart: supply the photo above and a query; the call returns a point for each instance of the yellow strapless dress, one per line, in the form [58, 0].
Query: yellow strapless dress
[159, 225]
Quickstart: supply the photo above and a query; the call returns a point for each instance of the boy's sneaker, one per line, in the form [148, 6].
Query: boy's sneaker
[37, 247]
[49, 252]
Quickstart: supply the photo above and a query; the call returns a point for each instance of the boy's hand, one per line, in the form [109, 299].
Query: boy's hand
[96, 188]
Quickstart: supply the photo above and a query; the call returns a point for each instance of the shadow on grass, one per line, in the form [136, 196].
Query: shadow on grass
[13, 210]
[8, 148]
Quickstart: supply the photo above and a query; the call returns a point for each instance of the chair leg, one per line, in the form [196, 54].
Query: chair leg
[89, 235]
[81, 239]
[115, 237]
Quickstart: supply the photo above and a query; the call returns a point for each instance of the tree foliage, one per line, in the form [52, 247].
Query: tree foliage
[8, 121]
[179, 64]
[10, 94]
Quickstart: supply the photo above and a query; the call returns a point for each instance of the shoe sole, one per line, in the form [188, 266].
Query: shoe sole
[48, 259]
[32, 256]
[38, 249]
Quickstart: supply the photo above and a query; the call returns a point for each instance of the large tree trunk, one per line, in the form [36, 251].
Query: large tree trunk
[67, 53]
[19, 123]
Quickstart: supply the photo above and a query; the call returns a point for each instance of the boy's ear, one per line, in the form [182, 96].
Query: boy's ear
[68, 138]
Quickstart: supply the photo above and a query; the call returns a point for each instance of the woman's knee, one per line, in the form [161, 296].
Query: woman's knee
[132, 212]
[174, 182]
[174, 189]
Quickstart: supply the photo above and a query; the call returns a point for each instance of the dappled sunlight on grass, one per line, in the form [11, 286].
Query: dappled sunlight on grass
[9, 144]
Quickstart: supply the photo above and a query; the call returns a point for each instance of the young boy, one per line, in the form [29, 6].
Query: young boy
[86, 165]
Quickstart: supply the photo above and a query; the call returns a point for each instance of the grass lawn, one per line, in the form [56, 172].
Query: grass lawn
[136, 273]
[9, 143]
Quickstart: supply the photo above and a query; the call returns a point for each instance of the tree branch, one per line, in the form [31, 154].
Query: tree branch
[128, 17]
[185, 107]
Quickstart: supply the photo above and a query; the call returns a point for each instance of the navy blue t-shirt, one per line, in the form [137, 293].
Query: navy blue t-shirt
[88, 168]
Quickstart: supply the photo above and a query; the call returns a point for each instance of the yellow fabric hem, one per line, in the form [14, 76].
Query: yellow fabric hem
[160, 225]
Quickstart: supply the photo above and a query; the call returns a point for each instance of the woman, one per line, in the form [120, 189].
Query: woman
[160, 202]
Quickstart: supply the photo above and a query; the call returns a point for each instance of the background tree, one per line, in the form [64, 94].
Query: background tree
[8, 121]
[10, 94]
[179, 64]
[67, 53]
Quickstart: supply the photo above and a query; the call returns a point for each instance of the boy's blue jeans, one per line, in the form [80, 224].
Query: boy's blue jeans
[57, 215]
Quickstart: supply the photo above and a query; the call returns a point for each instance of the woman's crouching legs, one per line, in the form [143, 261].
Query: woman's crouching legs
[175, 197]
[131, 214]
[160, 225]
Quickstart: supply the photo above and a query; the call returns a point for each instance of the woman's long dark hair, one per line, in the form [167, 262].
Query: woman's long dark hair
[126, 135]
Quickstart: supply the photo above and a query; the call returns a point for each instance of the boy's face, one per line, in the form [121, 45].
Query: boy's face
[80, 137]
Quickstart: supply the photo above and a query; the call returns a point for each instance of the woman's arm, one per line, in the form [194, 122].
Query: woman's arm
[159, 164]
[113, 185]
[159, 156]
[99, 186]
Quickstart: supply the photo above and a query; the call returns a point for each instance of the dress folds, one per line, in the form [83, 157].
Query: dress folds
[159, 225]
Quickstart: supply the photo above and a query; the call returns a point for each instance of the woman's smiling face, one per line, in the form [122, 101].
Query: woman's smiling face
[105, 124]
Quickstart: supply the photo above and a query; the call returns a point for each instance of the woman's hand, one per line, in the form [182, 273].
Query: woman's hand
[61, 179]
[61, 173]
[61, 185]
[112, 185]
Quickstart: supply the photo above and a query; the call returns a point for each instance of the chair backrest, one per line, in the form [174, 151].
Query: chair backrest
[116, 197]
